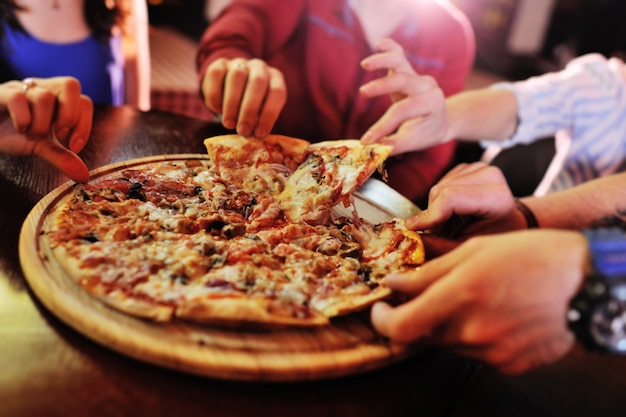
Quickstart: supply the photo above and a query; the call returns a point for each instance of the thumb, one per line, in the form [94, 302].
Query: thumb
[429, 218]
[437, 303]
[63, 159]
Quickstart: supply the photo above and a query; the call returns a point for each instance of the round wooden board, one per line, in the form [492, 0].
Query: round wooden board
[348, 345]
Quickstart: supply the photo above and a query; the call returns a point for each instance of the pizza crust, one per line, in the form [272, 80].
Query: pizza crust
[237, 312]
[292, 147]
[340, 306]
[139, 308]
[116, 299]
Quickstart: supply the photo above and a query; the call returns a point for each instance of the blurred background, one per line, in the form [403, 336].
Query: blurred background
[515, 39]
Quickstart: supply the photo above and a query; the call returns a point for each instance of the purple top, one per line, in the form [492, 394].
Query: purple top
[97, 65]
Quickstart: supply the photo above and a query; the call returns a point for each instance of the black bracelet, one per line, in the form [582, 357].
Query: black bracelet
[531, 220]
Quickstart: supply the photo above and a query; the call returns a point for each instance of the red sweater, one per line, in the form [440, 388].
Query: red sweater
[318, 46]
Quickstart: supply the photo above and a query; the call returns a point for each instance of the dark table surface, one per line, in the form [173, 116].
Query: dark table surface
[48, 369]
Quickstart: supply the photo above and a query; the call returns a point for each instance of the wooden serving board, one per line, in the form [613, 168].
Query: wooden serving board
[348, 345]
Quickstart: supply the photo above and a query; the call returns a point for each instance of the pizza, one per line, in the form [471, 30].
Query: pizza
[245, 236]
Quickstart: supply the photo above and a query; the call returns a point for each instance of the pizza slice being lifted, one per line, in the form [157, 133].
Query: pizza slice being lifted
[332, 172]
[305, 181]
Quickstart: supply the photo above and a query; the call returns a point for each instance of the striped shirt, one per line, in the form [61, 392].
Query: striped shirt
[585, 103]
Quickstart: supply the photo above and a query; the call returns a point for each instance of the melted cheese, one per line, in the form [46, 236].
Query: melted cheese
[172, 248]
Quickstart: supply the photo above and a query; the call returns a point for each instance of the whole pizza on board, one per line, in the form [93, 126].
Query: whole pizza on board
[247, 236]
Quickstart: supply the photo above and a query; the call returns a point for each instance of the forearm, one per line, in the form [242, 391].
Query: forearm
[600, 202]
[486, 114]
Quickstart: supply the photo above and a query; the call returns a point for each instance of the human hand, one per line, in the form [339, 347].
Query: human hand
[417, 119]
[48, 118]
[471, 199]
[249, 94]
[501, 299]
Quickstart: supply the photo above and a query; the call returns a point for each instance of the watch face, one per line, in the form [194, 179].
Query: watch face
[608, 325]
[601, 302]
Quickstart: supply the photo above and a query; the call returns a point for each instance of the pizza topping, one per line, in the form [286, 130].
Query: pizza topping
[248, 235]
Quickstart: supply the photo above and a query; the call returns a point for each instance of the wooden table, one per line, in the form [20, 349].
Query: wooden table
[48, 369]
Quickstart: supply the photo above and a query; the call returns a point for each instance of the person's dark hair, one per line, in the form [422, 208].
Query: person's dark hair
[101, 16]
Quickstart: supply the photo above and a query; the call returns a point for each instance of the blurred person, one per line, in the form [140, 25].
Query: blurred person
[213, 8]
[102, 43]
[48, 118]
[583, 106]
[292, 67]
[501, 293]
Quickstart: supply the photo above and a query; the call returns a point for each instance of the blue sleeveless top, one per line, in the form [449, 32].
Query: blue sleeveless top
[97, 65]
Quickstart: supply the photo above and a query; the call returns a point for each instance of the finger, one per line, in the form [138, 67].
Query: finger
[391, 56]
[389, 45]
[399, 82]
[436, 246]
[412, 116]
[418, 317]
[19, 111]
[439, 210]
[483, 188]
[82, 129]
[64, 160]
[213, 85]
[382, 130]
[414, 135]
[408, 322]
[274, 103]
[43, 106]
[459, 200]
[253, 97]
[394, 62]
[386, 321]
[414, 282]
[467, 174]
[68, 106]
[486, 192]
[234, 87]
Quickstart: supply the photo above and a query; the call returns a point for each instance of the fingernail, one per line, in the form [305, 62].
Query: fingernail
[244, 129]
[411, 222]
[380, 310]
[367, 138]
[261, 132]
[77, 144]
[228, 123]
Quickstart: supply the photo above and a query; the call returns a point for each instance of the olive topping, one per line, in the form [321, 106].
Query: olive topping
[230, 231]
[135, 192]
[365, 273]
[91, 238]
